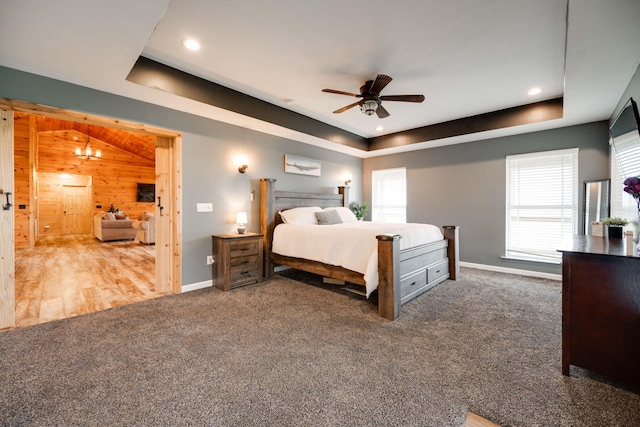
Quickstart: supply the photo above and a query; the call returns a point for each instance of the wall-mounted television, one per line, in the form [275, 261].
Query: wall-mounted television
[627, 121]
[146, 193]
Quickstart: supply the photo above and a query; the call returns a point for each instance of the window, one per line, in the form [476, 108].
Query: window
[389, 188]
[542, 203]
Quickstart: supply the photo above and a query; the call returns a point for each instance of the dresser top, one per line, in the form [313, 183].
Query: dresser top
[594, 245]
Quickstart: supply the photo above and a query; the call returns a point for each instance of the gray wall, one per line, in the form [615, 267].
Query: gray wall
[464, 185]
[632, 91]
[208, 151]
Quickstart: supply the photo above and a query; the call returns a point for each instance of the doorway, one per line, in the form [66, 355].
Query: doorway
[167, 151]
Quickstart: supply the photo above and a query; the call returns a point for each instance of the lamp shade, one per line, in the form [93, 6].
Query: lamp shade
[241, 218]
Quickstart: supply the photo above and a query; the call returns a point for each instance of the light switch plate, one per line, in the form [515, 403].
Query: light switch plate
[204, 207]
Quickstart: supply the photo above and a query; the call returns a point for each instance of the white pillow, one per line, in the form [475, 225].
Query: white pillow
[345, 213]
[300, 216]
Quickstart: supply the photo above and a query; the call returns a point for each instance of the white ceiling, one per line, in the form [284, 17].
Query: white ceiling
[467, 57]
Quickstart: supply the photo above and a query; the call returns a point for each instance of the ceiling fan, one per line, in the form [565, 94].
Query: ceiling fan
[371, 101]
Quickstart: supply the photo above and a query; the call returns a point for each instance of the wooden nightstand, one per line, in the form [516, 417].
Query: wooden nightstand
[237, 260]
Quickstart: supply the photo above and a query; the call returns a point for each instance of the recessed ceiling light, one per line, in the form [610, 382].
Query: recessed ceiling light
[191, 44]
[535, 91]
[290, 101]
[379, 128]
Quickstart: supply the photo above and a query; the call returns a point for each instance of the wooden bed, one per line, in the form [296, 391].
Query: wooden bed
[402, 274]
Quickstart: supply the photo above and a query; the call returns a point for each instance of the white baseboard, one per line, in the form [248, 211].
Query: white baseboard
[529, 273]
[196, 286]
[209, 283]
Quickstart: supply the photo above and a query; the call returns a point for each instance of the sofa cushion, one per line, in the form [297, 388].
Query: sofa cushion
[117, 223]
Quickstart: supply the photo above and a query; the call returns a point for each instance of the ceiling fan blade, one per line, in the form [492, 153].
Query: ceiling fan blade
[380, 83]
[382, 112]
[405, 98]
[343, 109]
[339, 92]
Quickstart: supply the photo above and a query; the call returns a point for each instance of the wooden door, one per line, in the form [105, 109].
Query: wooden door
[7, 232]
[76, 212]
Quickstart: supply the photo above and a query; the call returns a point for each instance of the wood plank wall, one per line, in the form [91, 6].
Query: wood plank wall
[113, 179]
[21, 180]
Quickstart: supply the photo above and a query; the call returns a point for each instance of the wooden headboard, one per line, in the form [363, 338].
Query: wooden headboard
[272, 202]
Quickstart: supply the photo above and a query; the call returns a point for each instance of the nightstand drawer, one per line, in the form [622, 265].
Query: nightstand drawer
[244, 261]
[241, 249]
[243, 275]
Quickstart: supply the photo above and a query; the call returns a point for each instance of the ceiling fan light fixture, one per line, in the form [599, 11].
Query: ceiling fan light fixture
[369, 107]
[191, 44]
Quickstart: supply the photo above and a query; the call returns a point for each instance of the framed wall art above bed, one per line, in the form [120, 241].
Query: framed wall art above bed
[301, 165]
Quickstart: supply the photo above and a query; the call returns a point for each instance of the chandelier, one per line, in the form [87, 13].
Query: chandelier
[87, 153]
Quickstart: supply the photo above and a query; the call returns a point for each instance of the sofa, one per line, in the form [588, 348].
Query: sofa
[146, 228]
[106, 227]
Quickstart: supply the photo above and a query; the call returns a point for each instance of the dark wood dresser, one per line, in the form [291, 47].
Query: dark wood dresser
[237, 260]
[600, 307]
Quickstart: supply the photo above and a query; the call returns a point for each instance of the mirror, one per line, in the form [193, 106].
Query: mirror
[625, 134]
[596, 202]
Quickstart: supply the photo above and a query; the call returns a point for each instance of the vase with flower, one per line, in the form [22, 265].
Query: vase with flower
[632, 187]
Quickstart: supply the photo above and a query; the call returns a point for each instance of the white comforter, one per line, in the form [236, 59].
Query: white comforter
[350, 245]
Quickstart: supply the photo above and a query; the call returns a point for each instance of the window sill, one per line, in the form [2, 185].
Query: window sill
[532, 259]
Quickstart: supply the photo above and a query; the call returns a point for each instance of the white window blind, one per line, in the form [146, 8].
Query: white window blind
[389, 195]
[542, 203]
[625, 162]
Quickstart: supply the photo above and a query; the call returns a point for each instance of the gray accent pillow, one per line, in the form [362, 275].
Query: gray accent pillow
[328, 217]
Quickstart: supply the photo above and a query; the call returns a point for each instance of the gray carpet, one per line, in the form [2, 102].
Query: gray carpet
[288, 354]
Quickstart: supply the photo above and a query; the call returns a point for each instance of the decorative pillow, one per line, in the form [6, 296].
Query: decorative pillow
[109, 216]
[345, 214]
[300, 215]
[328, 217]
[147, 216]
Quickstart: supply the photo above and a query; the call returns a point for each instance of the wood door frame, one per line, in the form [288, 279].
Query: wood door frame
[7, 221]
[168, 274]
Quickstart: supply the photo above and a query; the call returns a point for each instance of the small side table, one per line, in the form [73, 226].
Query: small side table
[237, 260]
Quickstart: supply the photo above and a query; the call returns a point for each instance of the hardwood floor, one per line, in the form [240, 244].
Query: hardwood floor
[65, 276]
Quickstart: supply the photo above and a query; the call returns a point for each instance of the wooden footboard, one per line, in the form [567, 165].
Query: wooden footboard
[402, 274]
[405, 274]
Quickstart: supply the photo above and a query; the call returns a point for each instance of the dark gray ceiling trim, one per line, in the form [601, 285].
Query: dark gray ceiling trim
[159, 76]
[516, 116]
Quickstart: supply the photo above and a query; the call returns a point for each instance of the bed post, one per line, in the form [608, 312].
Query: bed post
[267, 221]
[344, 191]
[452, 234]
[389, 276]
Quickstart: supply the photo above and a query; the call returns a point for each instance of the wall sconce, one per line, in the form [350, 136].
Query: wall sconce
[242, 162]
[241, 220]
[347, 179]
